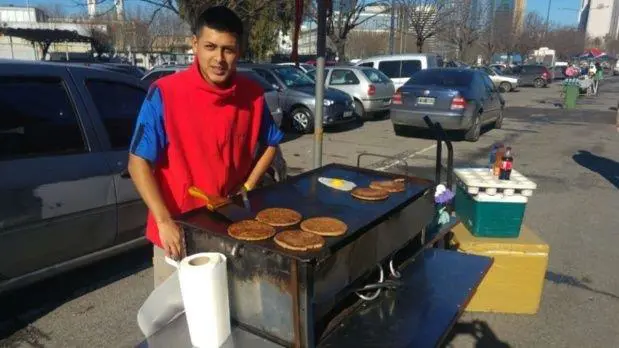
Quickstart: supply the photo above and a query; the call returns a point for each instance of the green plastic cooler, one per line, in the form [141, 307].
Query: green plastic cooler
[490, 207]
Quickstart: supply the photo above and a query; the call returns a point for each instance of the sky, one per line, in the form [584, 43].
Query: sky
[564, 12]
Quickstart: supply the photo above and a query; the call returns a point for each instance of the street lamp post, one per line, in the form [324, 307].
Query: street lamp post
[392, 28]
[321, 50]
[548, 19]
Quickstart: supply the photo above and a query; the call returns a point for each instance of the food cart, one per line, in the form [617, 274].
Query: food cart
[384, 283]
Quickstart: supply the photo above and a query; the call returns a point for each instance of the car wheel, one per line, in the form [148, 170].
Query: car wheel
[538, 83]
[302, 120]
[359, 109]
[499, 121]
[474, 132]
[505, 87]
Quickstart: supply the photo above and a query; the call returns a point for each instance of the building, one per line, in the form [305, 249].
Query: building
[583, 14]
[520, 7]
[30, 19]
[119, 7]
[601, 19]
[482, 13]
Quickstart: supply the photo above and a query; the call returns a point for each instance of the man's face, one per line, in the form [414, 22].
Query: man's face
[217, 54]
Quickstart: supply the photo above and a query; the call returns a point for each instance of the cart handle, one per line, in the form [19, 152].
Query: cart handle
[441, 136]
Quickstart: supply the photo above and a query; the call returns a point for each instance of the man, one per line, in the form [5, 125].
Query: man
[200, 127]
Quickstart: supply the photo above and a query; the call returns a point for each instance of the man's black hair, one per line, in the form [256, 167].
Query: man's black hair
[219, 18]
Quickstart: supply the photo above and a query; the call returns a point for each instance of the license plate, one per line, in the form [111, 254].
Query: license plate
[347, 113]
[425, 101]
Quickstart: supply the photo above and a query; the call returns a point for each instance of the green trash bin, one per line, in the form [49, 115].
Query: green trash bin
[570, 92]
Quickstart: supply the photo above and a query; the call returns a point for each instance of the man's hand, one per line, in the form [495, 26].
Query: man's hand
[171, 239]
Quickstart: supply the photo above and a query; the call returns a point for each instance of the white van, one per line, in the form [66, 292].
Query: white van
[400, 67]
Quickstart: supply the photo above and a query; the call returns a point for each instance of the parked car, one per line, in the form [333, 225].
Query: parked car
[537, 76]
[66, 198]
[558, 72]
[460, 99]
[303, 66]
[160, 71]
[400, 67]
[271, 95]
[371, 89]
[297, 98]
[616, 68]
[505, 83]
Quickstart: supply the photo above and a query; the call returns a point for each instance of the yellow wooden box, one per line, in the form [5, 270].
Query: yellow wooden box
[515, 280]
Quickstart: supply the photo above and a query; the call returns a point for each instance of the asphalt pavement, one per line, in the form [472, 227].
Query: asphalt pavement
[571, 154]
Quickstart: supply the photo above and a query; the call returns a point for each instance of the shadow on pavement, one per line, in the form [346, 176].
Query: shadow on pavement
[559, 278]
[481, 332]
[607, 168]
[22, 307]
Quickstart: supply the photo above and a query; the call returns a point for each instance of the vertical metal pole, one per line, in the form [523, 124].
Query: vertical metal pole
[392, 27]
[547, 19]
[11, 43]
[321, 48]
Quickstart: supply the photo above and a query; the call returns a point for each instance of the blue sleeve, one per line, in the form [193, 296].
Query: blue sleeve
[149, 139]
[270, 134]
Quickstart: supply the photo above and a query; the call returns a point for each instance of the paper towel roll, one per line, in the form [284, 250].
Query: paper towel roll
[204, 287]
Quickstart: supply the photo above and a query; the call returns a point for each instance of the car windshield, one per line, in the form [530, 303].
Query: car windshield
[375, 76]
[446, 77]
[293, 77]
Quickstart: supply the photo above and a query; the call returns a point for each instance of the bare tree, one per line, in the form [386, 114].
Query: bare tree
[166, 32]
[532, 34]
[364, 44]
[425, 18]
[464, 26]
[342, 21]
[102, 41]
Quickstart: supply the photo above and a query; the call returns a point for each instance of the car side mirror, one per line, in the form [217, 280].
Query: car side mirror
[277, 87]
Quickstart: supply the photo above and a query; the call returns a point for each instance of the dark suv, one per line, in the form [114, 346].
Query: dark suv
[533, 75]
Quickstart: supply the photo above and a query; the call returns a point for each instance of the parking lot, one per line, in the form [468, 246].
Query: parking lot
[572, 155]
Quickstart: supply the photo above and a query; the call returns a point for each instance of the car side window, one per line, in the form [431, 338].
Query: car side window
[268, 76]
[118, 105]
[343, 77]
[391, 68]
[49, 126]
[409, 67]
[157, 75]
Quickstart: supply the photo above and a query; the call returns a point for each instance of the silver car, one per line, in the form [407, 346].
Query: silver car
[298, 98]
[371, 89]
[505, 83]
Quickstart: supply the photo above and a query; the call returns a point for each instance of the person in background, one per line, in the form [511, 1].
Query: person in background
[201, 127]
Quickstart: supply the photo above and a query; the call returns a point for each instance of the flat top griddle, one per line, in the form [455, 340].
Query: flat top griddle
[309, 197]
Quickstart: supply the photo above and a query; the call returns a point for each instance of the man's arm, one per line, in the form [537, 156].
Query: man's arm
[148, 143]
[271, 136]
